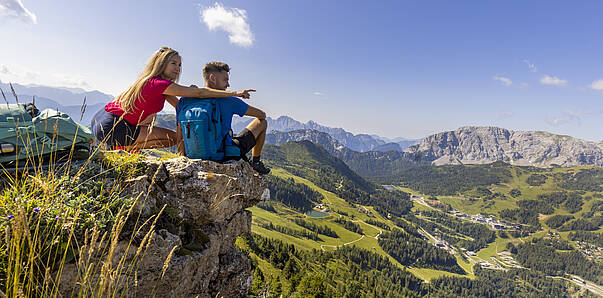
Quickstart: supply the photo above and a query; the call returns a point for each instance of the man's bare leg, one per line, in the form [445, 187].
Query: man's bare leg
[258, 129]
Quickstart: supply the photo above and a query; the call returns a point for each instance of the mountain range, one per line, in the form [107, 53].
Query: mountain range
[356, 142]
[67, 100]
[466, 145]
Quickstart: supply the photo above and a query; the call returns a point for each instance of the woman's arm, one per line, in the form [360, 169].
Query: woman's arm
[179, 90]
[173, 100]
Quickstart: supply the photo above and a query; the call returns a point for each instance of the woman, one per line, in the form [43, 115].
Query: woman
[127, 120]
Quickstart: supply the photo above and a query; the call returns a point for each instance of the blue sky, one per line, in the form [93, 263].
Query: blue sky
[392, 68]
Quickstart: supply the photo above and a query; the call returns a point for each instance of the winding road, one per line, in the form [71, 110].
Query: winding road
[586, 285]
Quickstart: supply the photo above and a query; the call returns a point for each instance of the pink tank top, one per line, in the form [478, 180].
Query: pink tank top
[152, 101]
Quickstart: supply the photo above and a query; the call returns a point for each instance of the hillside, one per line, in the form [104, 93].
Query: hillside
[482, 145]
[366, 164]
[420, 241]
[308, 160]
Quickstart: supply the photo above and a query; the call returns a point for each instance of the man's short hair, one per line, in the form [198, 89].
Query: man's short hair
[214, 67]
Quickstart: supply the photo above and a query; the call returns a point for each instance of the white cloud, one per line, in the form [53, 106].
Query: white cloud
[531, 65]
[568, 116]
[231, 20]
[22, 75]
[503, 80]
[505, 115]
[317, 93]
[14, 9]
[558, 121]
[597, 85]
[555, 81]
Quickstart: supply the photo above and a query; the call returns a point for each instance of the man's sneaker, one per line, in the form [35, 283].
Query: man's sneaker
[259, 167]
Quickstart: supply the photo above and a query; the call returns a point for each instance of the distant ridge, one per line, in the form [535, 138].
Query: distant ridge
[323, 139]
[66, 96]
[67, 100]
[359, 142]
[483, 145]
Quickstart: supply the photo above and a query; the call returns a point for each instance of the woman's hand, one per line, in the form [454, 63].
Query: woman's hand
[244, 93]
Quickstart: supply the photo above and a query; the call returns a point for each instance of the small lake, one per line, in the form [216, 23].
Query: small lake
[315, 213]
[388, 187]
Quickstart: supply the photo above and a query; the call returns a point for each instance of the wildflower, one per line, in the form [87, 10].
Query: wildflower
[10, 217]
[37, 209]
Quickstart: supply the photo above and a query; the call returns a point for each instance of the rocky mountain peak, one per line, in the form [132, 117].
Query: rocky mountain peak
[480, 145]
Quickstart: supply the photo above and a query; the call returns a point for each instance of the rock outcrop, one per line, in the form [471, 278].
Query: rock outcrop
[203, 213]
[482, 145]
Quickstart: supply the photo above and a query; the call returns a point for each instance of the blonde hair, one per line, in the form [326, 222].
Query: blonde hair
[155, 67]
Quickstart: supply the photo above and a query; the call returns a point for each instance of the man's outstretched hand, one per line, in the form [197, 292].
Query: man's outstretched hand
[244, 93]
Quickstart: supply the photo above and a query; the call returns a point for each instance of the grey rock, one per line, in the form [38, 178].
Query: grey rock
[208, 202]
[482, 145]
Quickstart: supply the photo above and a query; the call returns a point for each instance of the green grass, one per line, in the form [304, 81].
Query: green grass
[429, 274]
[419, 207]
[497, 246]
[50, 215]
[466, 265]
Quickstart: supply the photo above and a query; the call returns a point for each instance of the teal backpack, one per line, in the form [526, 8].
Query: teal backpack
[201, 126]
[48, 134]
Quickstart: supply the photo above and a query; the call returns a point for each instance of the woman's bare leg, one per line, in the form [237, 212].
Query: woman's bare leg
[179, 140]
[154, 137]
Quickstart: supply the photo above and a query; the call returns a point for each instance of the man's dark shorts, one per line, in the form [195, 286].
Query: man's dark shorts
[244, 140]
[109, 129]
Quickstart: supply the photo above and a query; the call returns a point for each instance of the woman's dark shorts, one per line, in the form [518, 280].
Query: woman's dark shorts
[109, 129]
[244, 140]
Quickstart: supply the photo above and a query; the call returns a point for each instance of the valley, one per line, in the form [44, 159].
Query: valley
[471, 232]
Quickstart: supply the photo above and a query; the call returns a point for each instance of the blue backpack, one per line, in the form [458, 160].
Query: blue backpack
[201, 126]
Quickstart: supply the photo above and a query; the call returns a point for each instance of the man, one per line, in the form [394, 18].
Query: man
[216, 76]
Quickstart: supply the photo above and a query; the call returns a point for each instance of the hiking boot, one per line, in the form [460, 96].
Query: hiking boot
[259, 167]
